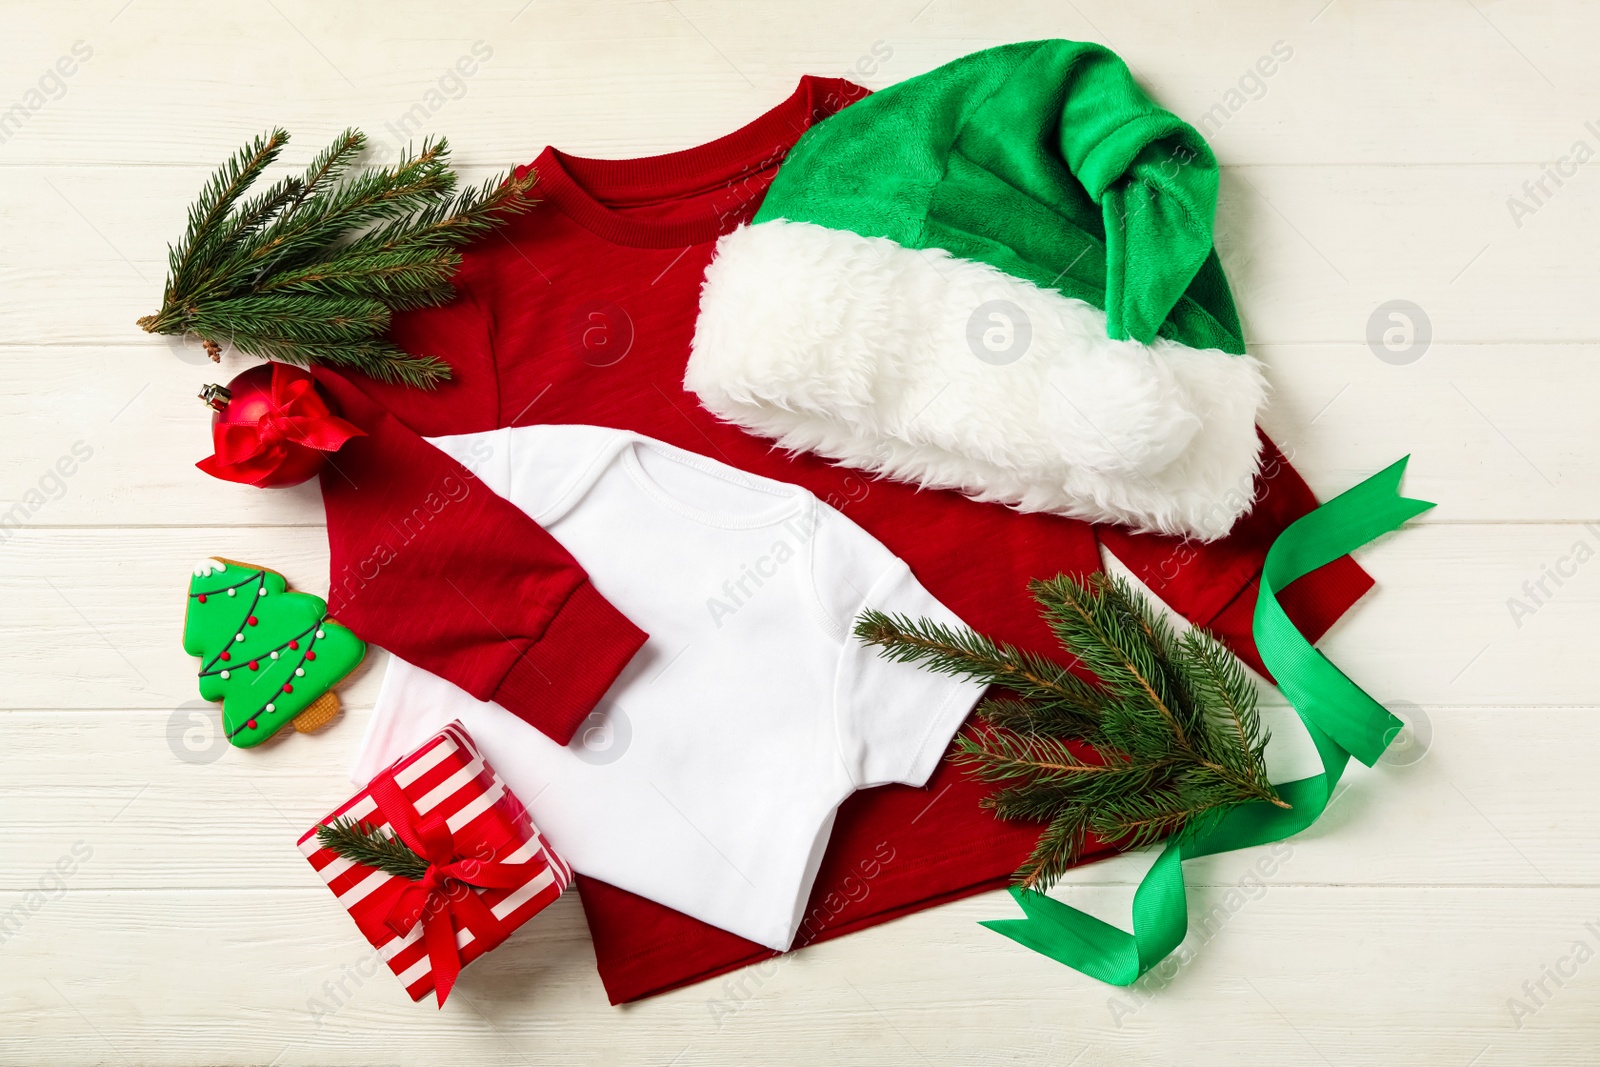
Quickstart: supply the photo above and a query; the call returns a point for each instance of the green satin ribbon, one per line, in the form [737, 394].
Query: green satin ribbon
[1343, 721]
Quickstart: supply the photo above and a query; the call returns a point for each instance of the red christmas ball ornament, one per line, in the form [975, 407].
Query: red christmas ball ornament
[271, 427]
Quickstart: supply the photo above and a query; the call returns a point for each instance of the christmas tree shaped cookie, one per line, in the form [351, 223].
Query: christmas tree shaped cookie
[269, 655]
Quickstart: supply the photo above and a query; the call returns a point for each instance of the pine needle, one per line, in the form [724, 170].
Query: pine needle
[371, 847]
[309, 270]
[1165, 740]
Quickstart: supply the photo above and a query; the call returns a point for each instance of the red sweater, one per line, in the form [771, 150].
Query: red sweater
[582, 311]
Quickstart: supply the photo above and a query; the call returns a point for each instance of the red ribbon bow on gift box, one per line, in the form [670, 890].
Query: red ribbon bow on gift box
[277, 434]
[443, 900]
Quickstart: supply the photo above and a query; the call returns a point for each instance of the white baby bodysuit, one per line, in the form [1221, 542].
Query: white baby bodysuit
[708, 777]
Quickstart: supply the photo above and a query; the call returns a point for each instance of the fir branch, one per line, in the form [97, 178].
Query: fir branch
[1090, 618]
[382, 360]
[1167, 739]
[473, 213]
[965, 653]
[312, 319]
[209, 212]
[308, 271]
[1229, 697]
[1058, 848]
[1042, 717]
[255, 214]
[330, 163]
[392, 277]
[1000, 755]
[365, 844]
[340, 211]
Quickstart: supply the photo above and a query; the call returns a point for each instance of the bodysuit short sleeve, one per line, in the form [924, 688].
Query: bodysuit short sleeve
[894, 720]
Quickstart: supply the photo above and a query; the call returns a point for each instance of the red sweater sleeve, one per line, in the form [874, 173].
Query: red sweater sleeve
[429, 563]
[1214, 585]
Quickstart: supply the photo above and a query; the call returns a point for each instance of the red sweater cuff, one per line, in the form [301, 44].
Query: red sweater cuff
[1313, 603]
[561, 677]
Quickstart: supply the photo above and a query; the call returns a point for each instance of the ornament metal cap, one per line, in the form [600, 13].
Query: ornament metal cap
[216, 396]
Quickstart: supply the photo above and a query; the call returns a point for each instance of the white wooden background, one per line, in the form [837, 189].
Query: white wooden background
[1375, 164]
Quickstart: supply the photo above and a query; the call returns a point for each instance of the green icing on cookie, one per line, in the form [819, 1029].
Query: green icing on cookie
[265, 652]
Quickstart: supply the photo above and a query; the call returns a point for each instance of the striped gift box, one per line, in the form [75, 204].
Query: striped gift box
[448, 775]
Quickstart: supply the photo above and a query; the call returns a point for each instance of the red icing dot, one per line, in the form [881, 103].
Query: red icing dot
[294, 644]
[201, 598]
[225, 655]
[311, 655]
[251, 620]
[251, 724]
[287, 688]
[254, 664]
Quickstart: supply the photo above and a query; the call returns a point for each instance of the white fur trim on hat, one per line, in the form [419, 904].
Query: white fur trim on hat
[953, 374]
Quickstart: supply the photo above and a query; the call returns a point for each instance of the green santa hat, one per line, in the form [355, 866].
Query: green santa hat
[997, 277]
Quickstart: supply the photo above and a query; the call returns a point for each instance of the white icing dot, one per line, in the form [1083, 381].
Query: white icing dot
[274, 655]
[299, 672]
[271, 708]
[321, 634]
[238, 637]
[231, 592]
[262, 591]
[224, 674]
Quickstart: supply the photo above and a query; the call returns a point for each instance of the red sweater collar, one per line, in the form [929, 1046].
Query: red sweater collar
[692, 196]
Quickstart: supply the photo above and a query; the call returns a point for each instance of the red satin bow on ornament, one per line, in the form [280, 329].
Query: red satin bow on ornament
[273, 435]
[443, 900]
